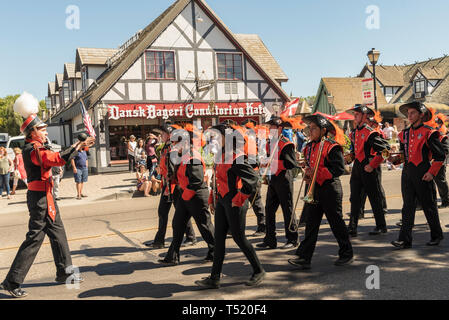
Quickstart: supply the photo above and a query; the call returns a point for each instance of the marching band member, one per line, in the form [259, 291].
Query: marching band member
[374, 122]
[328, 192]
[236, 183]
[440, 179]
[193, 201]
[256, 197]
[280, 188]
[420, 144]
[45, 218]
[170, 191]
[367, 146]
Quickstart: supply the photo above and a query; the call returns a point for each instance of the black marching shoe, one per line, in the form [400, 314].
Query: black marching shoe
[289, 245]
[435, 242]
[256, 279]
[209, 258]
[154, 245]
[303, 264]
[169, 263]
[72, 278]
[378, 231]
[265, 245]
[208, 283]
[401, 245]
[344, 261]
[17, 293]
[261, 230]
[443, 206]
[189, 243]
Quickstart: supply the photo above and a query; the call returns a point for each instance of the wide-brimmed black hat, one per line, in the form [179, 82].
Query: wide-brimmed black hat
[249, 121]
[363, 108]
[277, 121]
[223, 126]
[420, 107]
[321, 122]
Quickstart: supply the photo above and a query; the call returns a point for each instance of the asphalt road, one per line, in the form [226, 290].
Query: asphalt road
[106, 240]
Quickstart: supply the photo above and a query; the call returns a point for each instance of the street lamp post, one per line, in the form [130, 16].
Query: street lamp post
[373, 56]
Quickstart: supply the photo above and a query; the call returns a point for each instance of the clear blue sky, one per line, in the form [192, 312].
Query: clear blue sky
[310, 39]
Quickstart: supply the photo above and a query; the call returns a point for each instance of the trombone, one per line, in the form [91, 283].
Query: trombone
[309, 198]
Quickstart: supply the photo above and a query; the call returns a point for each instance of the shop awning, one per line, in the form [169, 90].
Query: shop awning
[344, 116]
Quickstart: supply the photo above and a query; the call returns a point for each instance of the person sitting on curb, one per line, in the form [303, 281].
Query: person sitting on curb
[142, 183]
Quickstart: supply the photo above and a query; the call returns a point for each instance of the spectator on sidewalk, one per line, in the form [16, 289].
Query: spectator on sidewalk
[156, 180]
[138, 152]
[80, 166]
[132, 144]
[5, 170]
[19, 170]
[142, 182]
[57, 174]
[388, 131]
[150, 149]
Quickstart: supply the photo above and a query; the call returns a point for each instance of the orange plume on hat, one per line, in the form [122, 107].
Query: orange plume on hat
[296, 123]
[250, 125]
[377, 117]
[431, 122]
[339, 134]
[442, 118]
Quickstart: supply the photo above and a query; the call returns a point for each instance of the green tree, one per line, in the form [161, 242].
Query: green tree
[10, 121]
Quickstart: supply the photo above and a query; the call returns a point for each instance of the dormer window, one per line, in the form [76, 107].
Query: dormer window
[67, 92]
[420, 86]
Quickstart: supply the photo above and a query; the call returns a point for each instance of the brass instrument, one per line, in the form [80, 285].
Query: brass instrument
[309, 198]
[293, 226]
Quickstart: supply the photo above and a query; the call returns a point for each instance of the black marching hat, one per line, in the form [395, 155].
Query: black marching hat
[363, 109]
[277, 121]
[420, 107]
[321, 122]
[248, 121]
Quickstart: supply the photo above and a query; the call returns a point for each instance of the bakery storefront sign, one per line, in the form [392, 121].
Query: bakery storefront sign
[166, 111]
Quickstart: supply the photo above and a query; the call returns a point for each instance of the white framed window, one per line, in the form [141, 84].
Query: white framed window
[420, 86]
[84, 78]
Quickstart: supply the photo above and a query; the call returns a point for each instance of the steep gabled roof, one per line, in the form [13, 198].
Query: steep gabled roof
[92, 56]
[151, 33]
[256, 47]
[347, 92]
[51, 89]
[69, 72]
[58, 80]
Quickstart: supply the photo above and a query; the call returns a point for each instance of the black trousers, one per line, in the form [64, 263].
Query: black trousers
[258, 208]
[413, 187]
[40, 225]
[384, 199]
[371, 183]
[163, 212]
[132, 163]
[441, 182]
[197, 208]
[234, 219]
[329, 201]
[280, 192]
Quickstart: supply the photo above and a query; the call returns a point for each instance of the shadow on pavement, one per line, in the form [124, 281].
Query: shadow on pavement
[138, 290]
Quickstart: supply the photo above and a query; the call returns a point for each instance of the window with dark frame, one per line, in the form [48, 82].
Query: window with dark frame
[67, 91]
[230, 66]
[84, 78]
[160, 65]
[420, 86]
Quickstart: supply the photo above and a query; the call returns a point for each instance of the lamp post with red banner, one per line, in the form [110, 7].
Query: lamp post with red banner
[373, 56]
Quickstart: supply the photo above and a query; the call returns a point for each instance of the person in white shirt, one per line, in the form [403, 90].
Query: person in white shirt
[132, 144]
[388, 131]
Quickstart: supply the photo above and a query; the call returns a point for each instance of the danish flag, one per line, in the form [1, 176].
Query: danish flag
[290, 108]
[87, 121]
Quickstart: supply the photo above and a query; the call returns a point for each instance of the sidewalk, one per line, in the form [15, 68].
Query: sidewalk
[99, 188]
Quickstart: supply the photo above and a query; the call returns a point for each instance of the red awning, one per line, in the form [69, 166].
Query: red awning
[344, 116]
